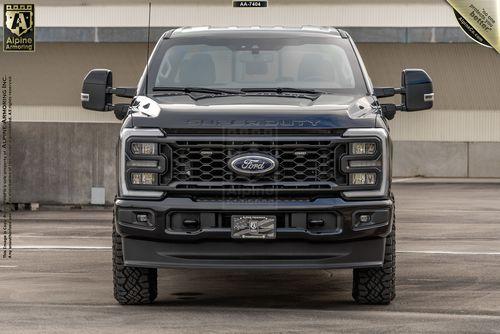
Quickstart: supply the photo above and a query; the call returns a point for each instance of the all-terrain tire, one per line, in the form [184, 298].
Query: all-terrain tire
[377, 286]
[132, 285]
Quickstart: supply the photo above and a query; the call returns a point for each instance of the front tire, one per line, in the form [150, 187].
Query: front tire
[377, 286]
[131, 285]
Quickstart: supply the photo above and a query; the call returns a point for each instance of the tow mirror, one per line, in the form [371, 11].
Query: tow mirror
[97, 91]
[94, 91]
[416, 93]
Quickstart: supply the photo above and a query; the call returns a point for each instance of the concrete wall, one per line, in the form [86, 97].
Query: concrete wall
[433, 159]
[446, 159]
[60, 162]
[484, 159]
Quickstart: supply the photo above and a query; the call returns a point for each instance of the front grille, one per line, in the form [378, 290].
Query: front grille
[199, 164]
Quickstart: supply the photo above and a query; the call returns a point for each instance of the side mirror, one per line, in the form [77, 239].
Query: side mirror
[97, 91]
[95, 94]
[418, 91]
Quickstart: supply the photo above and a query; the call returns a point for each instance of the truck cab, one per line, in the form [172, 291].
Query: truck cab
[255, 148]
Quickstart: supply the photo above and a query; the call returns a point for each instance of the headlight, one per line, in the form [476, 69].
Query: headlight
[368, 163]
[363, 148]
[144, 148]
[141, 155]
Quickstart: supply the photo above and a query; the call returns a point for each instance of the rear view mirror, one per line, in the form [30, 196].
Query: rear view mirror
[418, 91]
[95, 91]
[261, 57]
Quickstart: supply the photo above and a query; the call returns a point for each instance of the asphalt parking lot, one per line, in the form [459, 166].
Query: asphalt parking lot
[59, 279]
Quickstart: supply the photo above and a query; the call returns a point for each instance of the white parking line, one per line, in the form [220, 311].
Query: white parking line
[427, 210]
[449, 252]
[20, 236]
[60, 220]
[250, 310]
[403, 180]
[60, 247]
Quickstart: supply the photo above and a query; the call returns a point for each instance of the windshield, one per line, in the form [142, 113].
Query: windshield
[302, 62]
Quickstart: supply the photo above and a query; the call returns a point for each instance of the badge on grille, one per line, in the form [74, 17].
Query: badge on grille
[252, 164]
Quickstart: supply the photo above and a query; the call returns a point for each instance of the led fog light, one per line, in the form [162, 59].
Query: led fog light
[363, 178]
[363, 219]
[144, 178]
[363, 148]
[143, 219]
[144, 148]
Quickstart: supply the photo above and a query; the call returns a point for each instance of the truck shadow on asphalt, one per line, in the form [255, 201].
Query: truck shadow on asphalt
[313, 289]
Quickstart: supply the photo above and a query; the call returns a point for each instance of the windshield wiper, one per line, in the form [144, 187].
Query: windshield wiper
[196, 93]
[281, 90]
[188, 90]
[311, 94]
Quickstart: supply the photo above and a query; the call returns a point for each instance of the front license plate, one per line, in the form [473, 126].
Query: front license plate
[253, 227]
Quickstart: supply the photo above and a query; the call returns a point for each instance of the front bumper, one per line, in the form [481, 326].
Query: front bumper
[341, 243]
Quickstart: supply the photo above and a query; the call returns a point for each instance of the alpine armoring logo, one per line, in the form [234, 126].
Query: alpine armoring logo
[19, 27]
[252, 164]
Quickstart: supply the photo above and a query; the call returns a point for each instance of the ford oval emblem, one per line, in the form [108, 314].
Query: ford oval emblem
[252, 164]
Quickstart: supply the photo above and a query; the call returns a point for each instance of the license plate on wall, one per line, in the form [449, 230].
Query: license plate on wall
[253, 227]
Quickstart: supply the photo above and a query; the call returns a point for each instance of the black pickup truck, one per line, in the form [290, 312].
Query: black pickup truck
[251, 148]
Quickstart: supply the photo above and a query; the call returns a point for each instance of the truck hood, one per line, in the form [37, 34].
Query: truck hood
[253, 112]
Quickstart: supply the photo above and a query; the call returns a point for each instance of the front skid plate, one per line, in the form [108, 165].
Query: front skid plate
[254, 254]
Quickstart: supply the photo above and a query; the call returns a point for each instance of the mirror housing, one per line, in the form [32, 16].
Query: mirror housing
[418, 91]
[97, 91]
[95, 94]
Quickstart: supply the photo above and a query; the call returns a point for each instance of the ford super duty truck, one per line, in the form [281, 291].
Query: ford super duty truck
[254, 148]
